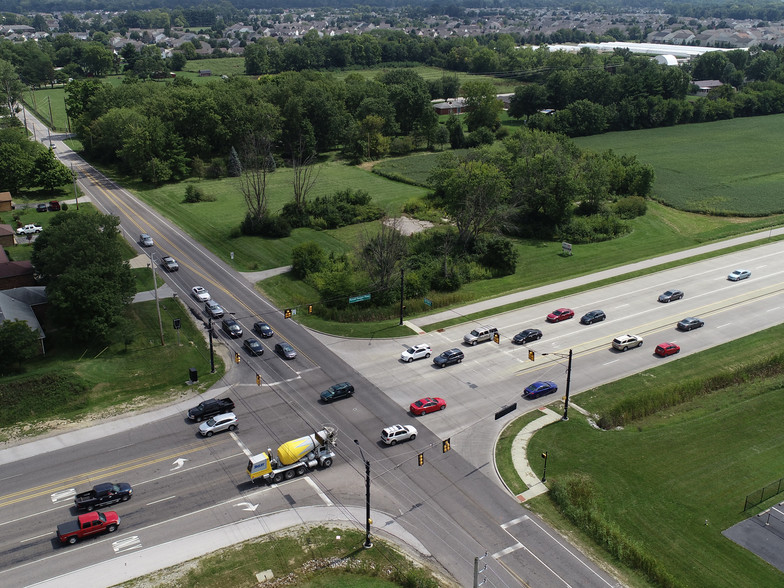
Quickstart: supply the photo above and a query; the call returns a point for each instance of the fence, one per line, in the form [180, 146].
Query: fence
[764, 493]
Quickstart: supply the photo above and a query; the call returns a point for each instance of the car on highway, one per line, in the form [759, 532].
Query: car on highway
[665, 349]
[671, 295]
[253, 346]
[170, 264]
[397, 433]
[41, 207]
[200, 294]
[337, 391]
[560, 315]
[263, 330]
[426, 405]
[145, 240]
[624, 342]
[422, 350]
[593, 316]
[218, 423]
[285, 350]
[540, 388]
[449, 357]
[231, 327]
[527, 336]
[689, 323]
[213, 309]
[739, 274]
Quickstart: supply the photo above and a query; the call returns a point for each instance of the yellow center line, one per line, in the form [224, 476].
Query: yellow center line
[107, 472]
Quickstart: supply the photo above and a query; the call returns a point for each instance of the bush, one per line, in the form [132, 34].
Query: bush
[631, 207]
[198, 168]
[481, 136]
[401, 146]
[64, 207]
[193, 194]
[297, 217]
[307, 258]
[346, 207]
[592, 229]
[216, 169]
[498, 253]
[271, 226]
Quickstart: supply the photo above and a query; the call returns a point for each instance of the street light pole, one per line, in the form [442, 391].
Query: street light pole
[212, 353]
[368, 520]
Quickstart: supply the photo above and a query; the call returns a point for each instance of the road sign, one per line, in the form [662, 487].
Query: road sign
[428, 302]
[360, 298]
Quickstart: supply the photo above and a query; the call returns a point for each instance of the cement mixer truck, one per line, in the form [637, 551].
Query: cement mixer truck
[294, 458]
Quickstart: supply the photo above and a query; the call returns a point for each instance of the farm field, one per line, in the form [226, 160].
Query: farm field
[680, 477]
[718, 167]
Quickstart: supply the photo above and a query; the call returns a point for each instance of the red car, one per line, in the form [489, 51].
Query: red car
[560, 315]
[665, 349]
[426, 405]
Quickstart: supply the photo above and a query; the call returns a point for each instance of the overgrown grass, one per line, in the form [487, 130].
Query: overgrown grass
[669, 483]
[72, 380]
[716, 167]
[312, 557]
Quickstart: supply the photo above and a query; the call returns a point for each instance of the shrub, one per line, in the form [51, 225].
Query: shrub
[631, 207]
[481, 136]
[271, 226]
[498, 253]
[64, 207]
[216, 169]
[592, 229]
[401, 146]
[345, 207]
[198, 167]
[193, 194]
[307, 258]
[296, 216]
[414, 205]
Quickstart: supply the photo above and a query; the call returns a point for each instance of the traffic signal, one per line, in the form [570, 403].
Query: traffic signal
[258, 380]
[287, 313]
[176, 323]
[421, 459]
[496, 338]
[446, 445]
[310, 309]
[236, 357]
[544, 455]
[531, 354]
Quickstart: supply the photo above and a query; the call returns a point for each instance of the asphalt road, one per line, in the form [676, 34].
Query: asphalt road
[454, 504]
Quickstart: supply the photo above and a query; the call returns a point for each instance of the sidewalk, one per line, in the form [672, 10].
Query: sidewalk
[137, 563]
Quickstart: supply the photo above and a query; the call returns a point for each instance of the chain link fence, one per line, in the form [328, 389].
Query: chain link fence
[763, 494]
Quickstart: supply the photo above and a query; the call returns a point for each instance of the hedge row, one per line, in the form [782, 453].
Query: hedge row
[573, 495]
[654, 400]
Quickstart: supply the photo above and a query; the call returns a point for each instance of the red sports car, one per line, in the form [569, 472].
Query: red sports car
[665, 349]
[560, 315]
[426, 405]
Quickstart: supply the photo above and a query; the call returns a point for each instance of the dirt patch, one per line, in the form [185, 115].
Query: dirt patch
[407, 225]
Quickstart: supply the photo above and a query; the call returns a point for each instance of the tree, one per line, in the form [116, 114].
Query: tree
[527, 100]
[257, 163]
[381, 254]
[307, 258]
[49, 172]
[482, 106]
[305, 173]
[18, 342]
[12, 88]
[79, 259]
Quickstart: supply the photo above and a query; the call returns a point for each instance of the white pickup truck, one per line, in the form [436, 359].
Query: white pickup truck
[29, 229]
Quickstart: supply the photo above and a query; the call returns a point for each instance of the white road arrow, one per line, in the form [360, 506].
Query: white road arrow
[248, 506]
[178, 463]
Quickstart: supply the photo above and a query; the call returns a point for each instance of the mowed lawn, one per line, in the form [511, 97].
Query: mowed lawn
[725, 167]
[674, 481]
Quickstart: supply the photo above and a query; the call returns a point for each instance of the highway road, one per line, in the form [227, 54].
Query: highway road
[454, 504]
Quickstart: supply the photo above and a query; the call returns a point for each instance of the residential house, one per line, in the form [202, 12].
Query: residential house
[6, 203]
[27, 303]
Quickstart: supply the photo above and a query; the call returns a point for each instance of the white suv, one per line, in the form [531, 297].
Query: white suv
[415, 352]
[396, 433]
[625, 342]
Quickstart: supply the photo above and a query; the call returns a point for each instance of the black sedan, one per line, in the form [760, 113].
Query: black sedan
[285, 350]
[592, 317]
[253, 346]
[263, 330]
[526, 336]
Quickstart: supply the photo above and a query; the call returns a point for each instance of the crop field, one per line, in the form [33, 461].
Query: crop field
[725, 167]
[680, 477]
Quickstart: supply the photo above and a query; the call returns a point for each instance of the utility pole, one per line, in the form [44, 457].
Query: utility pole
[477, 571]
[368, 520]
[76, 193]
[212, 353]
[568, 382]
[157, 301]
[401, 296]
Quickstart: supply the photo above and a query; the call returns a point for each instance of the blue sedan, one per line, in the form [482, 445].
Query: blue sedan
[538, 389]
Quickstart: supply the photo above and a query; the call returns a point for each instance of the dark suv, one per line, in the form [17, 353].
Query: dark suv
[337, 391]
[449, 357]
[232, 328]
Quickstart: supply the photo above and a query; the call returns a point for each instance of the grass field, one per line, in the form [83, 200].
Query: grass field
[677, 479]
[719, 167]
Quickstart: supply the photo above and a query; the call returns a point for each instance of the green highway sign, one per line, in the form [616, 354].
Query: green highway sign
[361, 298]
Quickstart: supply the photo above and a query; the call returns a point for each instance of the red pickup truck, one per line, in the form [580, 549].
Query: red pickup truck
[87, 525]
